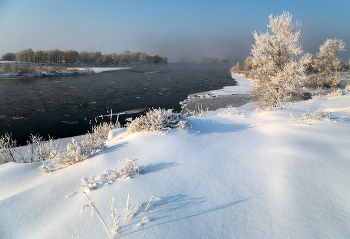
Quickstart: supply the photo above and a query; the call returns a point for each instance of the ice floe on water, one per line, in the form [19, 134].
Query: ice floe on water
[102, 69]
[243, 87]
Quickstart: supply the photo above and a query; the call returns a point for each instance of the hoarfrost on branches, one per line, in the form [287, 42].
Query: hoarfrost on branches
[329, 58]
[278, 65]
[128, 167]
[157, 120]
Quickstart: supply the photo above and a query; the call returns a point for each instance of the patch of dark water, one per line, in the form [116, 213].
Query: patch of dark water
[62, 106]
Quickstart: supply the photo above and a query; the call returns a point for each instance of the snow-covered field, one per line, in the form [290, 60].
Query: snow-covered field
[245, 175]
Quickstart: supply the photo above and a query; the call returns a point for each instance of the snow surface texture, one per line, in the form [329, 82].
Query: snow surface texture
[244, 175]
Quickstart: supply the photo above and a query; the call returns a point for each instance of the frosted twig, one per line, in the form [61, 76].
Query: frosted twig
[98, 214]
[136, 208]
[115, 227]
[149, 204]
[127, 206]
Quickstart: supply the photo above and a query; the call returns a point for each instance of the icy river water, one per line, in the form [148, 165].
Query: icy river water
[62, 106]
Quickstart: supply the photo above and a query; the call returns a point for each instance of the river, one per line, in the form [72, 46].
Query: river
[62, 106]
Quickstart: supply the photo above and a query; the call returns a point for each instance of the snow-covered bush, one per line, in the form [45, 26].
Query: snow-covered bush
[156, 120]
[8, 150]
[198, 112]
[337, 93]
[347, 88]
[81, 149]
[316, 115]
[128, 167]
[101, 130]
[40, 150]
[278, 65]
[318, 80]
[229, 111]
[309, 115]
[76, 151]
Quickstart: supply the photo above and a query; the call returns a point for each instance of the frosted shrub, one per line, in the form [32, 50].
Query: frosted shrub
[309, 115]
[76, 151]
[156, 120]
[347, 88]
[198, 112]
[128, 167]
[80, 150]
[317, 95]
[229, 111]
[101, 130]
[316, 115]
[8, 150]
[337, 93]
[40, 150]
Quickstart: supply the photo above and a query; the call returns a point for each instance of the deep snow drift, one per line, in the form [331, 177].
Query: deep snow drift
[245, 175]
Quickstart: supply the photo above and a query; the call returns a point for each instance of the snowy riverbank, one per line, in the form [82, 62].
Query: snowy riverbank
[69, 72]
[234, 96]
[229, 175]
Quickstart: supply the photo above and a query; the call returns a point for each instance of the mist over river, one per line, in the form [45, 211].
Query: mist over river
[62, 106]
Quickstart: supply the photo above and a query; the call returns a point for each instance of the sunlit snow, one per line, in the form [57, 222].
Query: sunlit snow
[245, 175]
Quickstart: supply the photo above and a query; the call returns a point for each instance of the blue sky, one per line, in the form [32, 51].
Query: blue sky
[174, 29]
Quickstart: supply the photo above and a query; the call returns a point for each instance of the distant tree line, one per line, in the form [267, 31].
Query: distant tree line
[71, 56]
[208, 60]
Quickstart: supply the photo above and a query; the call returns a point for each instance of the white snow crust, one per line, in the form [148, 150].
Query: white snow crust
[251, 175]
[102, 69]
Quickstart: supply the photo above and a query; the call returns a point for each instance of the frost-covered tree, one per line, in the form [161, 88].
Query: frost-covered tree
[9, 56]
[278, 65]
[329, 57]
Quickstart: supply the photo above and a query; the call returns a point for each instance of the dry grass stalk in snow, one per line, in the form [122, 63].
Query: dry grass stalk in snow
[136, 208]
[115, 227]
[127, 206]
[98, 214]
[143, 221]
[149, 204]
